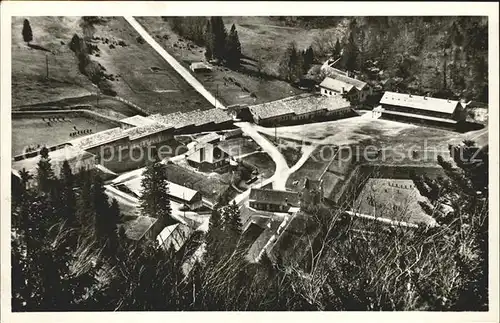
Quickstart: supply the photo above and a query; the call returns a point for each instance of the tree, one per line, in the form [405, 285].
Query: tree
[155, 199]
[27, 32]
[104, 225]
[308, 58]
[219, 34]
[45, 173]
[291, 65]
[233, 48]
[68, 198]
[350, 54]
[209, 41]
[337, 49]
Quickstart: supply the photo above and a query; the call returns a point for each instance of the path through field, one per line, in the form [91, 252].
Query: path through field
[174, 63]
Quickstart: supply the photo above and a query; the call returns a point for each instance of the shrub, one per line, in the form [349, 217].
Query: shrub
[140, 40]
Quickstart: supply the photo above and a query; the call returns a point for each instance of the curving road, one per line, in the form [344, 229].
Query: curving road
[174, 63]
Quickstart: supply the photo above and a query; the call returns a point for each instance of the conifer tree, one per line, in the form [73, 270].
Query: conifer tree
[68, 198]
[219, 37]
[155, 199]
[45, 173]
[27, 32]
[233, 48]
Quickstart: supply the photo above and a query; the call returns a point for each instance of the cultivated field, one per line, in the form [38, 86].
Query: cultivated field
[33, 131]
[231, 87]
[29, 65]
[143, 77]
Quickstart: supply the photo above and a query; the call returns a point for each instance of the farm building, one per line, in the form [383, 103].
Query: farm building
[353, 89]
[421, 109]
[200, 67]
[207, 156]
[273, 200]
[186, 196]
[300, 109]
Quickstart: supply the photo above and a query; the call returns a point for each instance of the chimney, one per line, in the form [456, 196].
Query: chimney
[343, 90]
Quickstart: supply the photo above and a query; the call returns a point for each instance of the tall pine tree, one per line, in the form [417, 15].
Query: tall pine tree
[233, 49]
[155, 200]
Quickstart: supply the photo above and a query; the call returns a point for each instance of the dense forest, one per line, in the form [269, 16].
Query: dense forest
[428, 55]
[68, 253]
[440, 56]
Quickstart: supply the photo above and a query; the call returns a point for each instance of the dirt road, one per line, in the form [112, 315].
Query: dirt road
[174, 63]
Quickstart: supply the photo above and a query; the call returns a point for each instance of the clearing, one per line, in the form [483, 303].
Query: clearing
[250, 86]
[30, 84]
[143, 76]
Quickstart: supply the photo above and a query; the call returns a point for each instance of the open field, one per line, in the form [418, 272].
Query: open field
[384, 134]
[143, 77]
[265, 40]
[396, 199]
[29, 65]
[34, 131]
[262, 162]
[231, 87]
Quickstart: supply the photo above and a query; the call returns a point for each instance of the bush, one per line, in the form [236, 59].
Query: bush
[122, 43]
[140, 40]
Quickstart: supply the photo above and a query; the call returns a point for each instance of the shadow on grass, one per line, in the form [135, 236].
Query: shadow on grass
[39, 47]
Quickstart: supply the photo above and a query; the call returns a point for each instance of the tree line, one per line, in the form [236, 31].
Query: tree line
[212, 34]
[67, 253]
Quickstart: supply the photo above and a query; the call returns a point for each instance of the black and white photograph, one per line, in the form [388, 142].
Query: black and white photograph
[184, 160]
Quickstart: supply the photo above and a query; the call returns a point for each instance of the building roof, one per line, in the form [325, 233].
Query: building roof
[146, 130]
[174, 235]
[208, 138]
[274, 196]
[419, 102]
[181, 192]
[137, 121]
[297, 105]
[99, 138]
[358, 84]
[196, 117]
[336, 85]
[175, 190]
[200, 65]
[137, 228]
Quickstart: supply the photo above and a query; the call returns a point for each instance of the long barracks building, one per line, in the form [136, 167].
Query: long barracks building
[421, 109]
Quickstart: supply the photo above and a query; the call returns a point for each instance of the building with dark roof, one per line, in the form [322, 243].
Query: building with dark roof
[273, 200]
[300, 109]
[421, 109]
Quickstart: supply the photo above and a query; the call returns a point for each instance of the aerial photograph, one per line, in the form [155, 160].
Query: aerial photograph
[249, 163]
